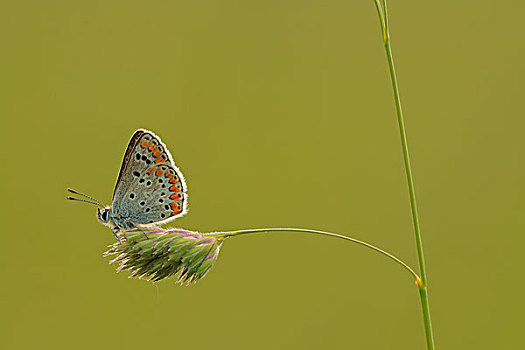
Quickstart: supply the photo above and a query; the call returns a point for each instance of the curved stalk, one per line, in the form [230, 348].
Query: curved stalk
[423, 293]
[324, 233]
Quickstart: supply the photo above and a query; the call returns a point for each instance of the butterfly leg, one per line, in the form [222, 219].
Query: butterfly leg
[144, 233]
[135, 229]
[115, 230]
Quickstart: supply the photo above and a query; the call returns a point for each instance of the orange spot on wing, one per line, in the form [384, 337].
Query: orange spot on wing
[176, 209]
[174, 188]
[156, 152]
[144, 143]
[159, 172]
[159, 160]
[167, 174]
[175, 197]
[174, 180]
[151, 146]
[151, 171]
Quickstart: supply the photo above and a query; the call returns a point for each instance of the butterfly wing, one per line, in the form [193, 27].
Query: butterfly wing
[123, 182]
[150, 189]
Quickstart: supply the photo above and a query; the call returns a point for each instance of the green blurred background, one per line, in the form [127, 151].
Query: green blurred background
[279, 113]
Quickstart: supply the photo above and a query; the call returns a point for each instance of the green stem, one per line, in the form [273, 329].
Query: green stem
[324, 233]
[423, 293]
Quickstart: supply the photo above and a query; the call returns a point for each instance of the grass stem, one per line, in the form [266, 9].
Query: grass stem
[368, 245]
[423, 292]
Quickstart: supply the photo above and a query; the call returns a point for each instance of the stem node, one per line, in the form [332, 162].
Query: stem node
[420, 283]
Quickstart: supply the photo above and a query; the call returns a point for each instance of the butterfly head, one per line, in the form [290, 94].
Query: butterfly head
[103, 215]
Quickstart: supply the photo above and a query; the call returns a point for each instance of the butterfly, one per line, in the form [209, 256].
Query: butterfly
[150, 189]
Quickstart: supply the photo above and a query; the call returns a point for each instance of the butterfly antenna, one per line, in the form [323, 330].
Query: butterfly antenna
[84, 200]
[94, 201]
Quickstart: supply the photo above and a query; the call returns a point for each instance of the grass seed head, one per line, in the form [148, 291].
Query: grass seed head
[184, 255]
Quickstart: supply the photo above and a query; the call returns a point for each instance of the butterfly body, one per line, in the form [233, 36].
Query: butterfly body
[115, 222]
[150, 189]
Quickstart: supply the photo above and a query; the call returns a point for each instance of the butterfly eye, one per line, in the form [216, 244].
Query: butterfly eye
[105, 215]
